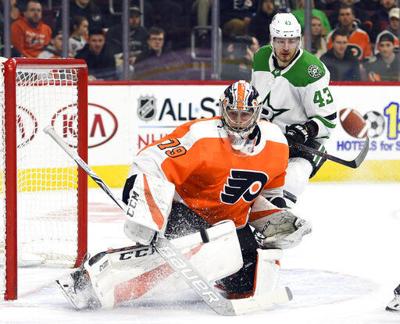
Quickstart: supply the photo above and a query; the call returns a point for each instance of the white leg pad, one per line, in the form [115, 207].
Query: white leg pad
[123, 276]
[267, 270]
[267, 293]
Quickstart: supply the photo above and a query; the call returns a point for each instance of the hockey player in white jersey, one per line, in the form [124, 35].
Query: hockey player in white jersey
[201, 186]
[294, 86]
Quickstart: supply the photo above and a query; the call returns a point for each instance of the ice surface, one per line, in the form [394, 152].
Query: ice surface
[344, 272]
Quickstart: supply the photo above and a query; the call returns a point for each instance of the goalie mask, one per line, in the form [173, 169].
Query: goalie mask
[240, 109]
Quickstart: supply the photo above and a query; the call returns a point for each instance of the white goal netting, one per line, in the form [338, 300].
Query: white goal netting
[47, 180]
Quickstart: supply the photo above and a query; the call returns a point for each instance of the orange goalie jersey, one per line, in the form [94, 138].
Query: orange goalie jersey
[211, 178]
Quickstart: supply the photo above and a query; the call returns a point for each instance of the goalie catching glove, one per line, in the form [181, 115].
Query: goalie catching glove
[281, 230]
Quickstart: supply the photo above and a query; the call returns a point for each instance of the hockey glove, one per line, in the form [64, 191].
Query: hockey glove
[300, 133]
[282, 230]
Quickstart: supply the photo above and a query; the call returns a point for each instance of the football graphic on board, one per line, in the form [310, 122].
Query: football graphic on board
[353, 123]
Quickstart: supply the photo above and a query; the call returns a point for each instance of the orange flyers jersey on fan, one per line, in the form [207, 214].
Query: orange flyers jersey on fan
[358, 42]
[210, 177]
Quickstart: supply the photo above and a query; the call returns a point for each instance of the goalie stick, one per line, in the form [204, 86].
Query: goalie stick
[179, 263]
[351, 164]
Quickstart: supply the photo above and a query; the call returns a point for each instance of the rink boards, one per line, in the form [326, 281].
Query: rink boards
[125, 117]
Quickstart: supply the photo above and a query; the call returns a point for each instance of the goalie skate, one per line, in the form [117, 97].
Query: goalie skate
[394, 305]
[78, 290]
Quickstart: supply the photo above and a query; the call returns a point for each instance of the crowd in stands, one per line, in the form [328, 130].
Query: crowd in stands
[358, 40]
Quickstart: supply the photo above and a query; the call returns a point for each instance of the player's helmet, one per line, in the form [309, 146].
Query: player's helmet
[240, 108]
[284, 25]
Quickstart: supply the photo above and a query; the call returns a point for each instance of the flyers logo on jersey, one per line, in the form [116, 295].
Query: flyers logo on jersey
[243, 184]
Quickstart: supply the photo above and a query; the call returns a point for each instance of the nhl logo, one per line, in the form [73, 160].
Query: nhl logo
[146, 109]
[314, 71]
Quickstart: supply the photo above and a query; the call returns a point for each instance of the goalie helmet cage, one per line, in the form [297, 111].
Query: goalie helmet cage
[41, 190]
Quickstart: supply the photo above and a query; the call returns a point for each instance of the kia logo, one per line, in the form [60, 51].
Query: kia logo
[27, 126]
[102, 124]
[65, 122]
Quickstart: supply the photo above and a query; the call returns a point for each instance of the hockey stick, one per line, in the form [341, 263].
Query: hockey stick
[177, 261]
[351, 164]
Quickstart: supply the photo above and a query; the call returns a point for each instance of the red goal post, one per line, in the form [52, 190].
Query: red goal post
[41, 194]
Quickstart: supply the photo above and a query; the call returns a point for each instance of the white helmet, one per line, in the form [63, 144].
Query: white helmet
[284, 25]
[240, 108]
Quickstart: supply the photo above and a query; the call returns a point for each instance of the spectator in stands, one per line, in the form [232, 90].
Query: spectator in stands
[299, 14]
[233, 28]
[235, 49]
[233, 9]
[333, 5]
[147, 11]
[79, 35]
[371, 5]
[54, 49]
[393, 28]
[14, 12]
[201, 9]
[155, 63]
[83, 8]
[385, 66]
[170, 16]
[29, 34]
[237, 57]
[111, 11]
[326, 5]
[137, 36]
[318, 40]
[100, 60]
[339, 60]
[360, 13]
[14, 15]
[380, 19]
[200, 17]
[259, 24]
[155, 44]
[394, 21]
[358, 39]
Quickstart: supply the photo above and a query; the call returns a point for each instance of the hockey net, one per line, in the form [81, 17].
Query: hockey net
[43, 195]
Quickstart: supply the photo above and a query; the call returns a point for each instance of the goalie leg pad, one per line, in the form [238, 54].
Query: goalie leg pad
[267, 293]
[129, 273]
[266, 281]
[241, 283]
[394, 304]
[77, 289]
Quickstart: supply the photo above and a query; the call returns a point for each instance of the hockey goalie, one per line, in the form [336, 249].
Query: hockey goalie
[206, 187]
